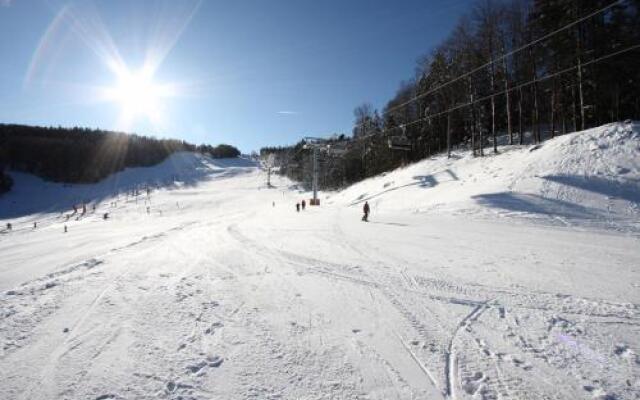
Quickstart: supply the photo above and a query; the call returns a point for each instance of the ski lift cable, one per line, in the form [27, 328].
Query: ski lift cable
[517, 87]
[607, 56]
[500, 58]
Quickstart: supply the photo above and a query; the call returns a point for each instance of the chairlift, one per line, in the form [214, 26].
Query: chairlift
[400, 142]
[336, 149]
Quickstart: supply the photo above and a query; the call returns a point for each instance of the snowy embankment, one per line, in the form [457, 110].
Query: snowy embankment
[218, 288]
[590, 177]
[32, 195]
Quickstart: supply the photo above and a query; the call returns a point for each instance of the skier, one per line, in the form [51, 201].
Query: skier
[366, 210]
[35, 225]
[298, 207]
[65, 229]
[303, 205]
[9, 226]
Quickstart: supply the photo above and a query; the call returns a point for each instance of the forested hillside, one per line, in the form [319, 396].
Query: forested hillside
[79, 155]
[511, 72]
[5, 182]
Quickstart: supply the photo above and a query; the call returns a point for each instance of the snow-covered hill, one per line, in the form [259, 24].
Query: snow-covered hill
[590, 177]
[213, 286]
[31, 195]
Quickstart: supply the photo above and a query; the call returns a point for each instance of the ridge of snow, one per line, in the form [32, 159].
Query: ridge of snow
[584, 178]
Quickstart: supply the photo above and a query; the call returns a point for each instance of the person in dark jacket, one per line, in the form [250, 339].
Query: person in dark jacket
[366, 211]
[298, 207]
[304, 204]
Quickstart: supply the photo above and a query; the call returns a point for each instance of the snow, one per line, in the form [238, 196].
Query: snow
[512, 276]
[591, 177]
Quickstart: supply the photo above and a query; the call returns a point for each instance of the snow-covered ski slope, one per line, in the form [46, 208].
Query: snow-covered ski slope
[516, 276]
[592, 178]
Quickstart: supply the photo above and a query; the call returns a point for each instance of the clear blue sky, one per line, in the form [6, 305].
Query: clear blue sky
[249, 73]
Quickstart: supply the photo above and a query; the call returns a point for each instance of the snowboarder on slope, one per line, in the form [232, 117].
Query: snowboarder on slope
[298, 207]
[366, 210]
[304, 204]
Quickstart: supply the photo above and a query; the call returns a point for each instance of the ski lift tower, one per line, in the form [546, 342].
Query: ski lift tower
[268, 164]
[315, 144]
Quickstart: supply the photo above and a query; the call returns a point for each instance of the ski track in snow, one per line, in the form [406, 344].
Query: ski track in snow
[218, 294]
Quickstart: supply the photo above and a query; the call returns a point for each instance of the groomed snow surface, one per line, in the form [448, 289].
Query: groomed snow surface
[514, 276]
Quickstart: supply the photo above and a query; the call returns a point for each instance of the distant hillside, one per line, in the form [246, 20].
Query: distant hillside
[32, 195]
[80, 155]
[5, 182]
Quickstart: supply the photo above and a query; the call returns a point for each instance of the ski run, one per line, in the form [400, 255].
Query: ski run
[513, 276]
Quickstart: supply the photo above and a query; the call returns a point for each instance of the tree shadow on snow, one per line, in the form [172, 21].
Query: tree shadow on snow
[424, 181]
[627, 189]
[363, 197]
[428, 181]
[534, 204]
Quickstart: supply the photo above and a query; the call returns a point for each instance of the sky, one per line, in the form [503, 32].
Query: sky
[250, 73]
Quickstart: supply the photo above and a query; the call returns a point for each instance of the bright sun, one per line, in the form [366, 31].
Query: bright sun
[138, 96]
[137, 93]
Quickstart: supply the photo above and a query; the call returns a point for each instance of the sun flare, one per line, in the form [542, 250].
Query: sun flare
[138, 95]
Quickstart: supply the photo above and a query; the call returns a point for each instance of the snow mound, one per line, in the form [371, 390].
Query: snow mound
[584, 178]
[31, 194]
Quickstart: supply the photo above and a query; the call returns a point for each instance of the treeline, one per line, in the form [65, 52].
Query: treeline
[336, 165]
[511, 72]
[5, 182]
[80, 155]
[219, 151]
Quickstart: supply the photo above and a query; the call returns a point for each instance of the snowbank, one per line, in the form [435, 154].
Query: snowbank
[590, 177]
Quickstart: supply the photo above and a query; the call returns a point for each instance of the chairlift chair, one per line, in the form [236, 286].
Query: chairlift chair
[336, 149]
[400, 142]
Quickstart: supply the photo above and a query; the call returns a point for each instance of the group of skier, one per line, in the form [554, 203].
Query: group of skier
[365, 209]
